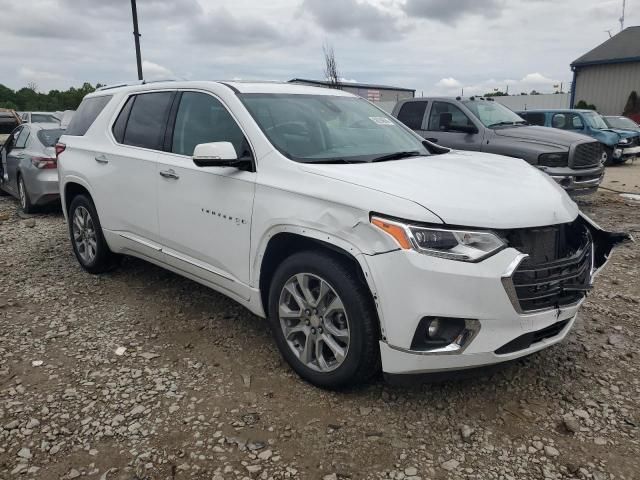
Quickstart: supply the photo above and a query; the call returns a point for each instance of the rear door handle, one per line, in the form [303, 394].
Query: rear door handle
[169, 174]
[101, 159]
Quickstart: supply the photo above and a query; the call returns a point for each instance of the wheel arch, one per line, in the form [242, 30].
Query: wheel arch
[289, 240]
[71, 189]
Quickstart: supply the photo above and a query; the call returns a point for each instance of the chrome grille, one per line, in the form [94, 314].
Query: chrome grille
[586, 155]
[557, 271]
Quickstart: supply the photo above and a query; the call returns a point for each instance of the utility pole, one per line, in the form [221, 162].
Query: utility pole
[624, 4]
[136, 37]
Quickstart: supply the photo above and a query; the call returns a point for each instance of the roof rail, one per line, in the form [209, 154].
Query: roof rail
[135, 82]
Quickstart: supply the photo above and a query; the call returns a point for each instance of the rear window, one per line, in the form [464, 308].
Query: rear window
[148, 120]
[412, 114]
[50, 137]
[86, 114]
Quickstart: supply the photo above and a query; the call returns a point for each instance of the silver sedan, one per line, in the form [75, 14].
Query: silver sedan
[29, 170]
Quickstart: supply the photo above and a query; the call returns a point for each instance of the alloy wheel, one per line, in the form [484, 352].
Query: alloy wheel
[84, 235]
[314, 322]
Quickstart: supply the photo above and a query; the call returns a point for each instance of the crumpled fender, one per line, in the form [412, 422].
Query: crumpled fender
[604, 242]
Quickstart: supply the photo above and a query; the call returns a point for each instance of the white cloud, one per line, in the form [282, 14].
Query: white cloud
[448, 82]
[31, 74]
[154, 71]
[537, 79]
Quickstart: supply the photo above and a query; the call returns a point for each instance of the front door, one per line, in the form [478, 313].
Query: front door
[444, 117]
[205, 213]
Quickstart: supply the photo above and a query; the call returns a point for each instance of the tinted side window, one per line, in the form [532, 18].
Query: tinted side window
[534, 118]
[412, 114]
[457, 116]
[121, 122]
[86, 114]
[148, 120]
[202, 119]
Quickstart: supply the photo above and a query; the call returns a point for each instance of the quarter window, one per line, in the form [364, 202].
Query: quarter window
[148, 120]
[21, 141]
[438, 112]
[86, 114]
[203, 119]
[412, 114]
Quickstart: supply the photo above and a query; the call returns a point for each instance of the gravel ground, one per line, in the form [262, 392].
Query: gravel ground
[141, 374]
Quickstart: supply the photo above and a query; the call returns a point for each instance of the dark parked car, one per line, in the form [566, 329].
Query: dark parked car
[573, 160]
[620, 145]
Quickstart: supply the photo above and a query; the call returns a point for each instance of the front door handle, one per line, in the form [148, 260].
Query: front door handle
[101, 159]
[169, 174]
[433, 140]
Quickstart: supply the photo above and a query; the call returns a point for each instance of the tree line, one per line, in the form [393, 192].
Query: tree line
[30, 100]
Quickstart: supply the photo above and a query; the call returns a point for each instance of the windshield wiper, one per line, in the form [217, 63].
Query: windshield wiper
[332, 160]
[397, 156]
[500, 124]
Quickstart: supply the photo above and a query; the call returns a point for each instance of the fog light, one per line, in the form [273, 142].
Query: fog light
[433, 329]
[617, 153]
[438, 332]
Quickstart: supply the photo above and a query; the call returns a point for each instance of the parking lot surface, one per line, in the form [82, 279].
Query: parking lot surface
[141, 374]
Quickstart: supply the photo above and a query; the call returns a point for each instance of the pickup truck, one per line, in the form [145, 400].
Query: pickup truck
[619, 144]
[480, 124]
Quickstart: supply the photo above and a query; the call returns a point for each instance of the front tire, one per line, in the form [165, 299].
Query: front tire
[323, 320]
[89, 245]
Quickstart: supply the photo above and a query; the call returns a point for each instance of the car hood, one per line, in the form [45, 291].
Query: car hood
[465, 188]
[533, 133]
[622, 133]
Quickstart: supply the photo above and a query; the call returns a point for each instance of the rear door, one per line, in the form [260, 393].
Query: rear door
[125, 173]
[205, 213]
[438, 132]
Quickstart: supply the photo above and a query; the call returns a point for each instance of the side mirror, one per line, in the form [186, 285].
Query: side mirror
[445, 121]
[218, 154]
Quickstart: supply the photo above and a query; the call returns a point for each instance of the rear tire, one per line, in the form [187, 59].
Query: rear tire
[324, 321]
[23, 196]
[87, 239]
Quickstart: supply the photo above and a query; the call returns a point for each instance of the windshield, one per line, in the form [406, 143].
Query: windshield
[594, 120]
[621, 122]
[324, 128]
[43, 118]
[50, 137]
[492, 114]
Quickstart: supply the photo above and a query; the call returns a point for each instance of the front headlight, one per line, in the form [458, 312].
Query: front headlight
[553, 160]
[624, 141]
[453, 244]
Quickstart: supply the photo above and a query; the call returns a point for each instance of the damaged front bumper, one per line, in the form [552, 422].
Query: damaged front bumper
[412, 287]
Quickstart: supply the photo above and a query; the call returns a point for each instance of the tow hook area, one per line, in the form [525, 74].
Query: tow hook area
[604, 242]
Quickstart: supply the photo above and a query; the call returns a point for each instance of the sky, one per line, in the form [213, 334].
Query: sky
[437, 47]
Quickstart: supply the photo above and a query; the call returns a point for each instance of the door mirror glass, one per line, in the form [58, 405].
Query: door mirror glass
[215, 154]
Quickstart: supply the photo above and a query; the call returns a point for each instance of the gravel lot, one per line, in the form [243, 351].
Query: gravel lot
[201, 391]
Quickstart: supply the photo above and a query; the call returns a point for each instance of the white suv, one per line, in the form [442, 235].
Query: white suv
[364, 245]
